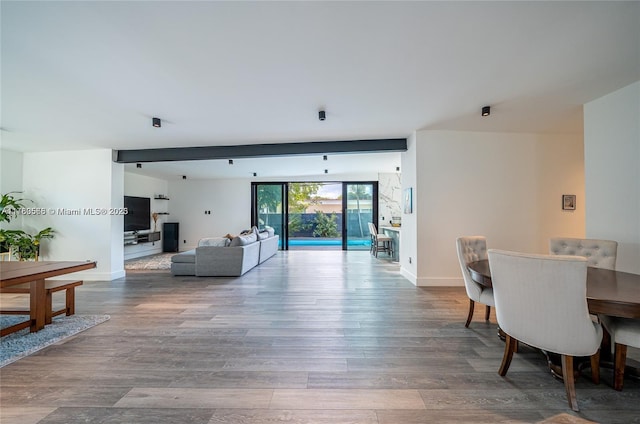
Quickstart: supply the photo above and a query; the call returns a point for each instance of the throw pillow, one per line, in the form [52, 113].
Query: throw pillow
[214, 241]
[271, 231]
[243, 240]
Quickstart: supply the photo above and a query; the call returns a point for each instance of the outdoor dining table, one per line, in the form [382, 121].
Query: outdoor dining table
[18, 272]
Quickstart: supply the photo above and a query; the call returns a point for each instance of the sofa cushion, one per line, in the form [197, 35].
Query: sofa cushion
[214, 241]
[243, 240]
[185, 257]
[263, 235]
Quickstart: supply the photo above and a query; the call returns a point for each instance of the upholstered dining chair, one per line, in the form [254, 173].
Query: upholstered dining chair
[379, 242]
[599, 253]
[624, 332]
[541, 300]
[471, 249]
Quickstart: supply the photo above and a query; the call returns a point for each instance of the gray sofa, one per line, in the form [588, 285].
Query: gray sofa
[222, 257]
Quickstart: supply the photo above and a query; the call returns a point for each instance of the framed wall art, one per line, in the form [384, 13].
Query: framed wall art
[568, 202]
[408, 200]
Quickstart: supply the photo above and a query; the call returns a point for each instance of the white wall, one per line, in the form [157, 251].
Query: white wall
[75, 180]
[10, 171]
[560, 170]
[506, 187]
[228, 200]
[409, 231]
[363, 176]
[11, 180]
[612, 162]
[143, 186]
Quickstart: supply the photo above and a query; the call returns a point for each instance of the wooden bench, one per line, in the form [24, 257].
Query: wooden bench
[50, 287]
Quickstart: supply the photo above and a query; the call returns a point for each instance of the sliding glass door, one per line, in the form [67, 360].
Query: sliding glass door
[317, 215]
[360, 207]
[268, 205]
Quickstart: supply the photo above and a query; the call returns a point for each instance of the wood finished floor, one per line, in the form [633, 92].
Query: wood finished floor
[307, 337]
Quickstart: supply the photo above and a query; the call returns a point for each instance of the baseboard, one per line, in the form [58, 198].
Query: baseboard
[93, 276]
[440, 282]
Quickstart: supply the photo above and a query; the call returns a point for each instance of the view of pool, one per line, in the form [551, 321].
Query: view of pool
[327, 242]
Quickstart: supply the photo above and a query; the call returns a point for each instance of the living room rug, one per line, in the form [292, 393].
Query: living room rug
[23, 343]
[158, 261]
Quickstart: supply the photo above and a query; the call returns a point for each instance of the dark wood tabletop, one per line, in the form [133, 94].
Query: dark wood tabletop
[609, 292]
[18, 272]
[34, 273]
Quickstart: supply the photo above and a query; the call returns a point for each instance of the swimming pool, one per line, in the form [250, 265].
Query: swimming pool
[327, 242]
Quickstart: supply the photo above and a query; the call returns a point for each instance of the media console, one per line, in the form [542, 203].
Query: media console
[137, 238]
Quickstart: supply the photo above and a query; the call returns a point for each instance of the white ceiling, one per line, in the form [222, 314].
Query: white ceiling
[81, 75]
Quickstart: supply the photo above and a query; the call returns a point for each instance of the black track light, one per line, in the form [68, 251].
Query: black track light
[322, 115]
[230, 161]
[184, 177]
[324, 157]
[326, 171]
[138, 165]
[486, 111]
[255, 174]
[156, 122]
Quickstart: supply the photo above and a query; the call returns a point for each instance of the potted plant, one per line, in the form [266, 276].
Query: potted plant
[27, 247]
[9, 207]
[19, 243]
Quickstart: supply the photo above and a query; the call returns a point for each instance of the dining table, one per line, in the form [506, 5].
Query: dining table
[609, 292]
[35, 273]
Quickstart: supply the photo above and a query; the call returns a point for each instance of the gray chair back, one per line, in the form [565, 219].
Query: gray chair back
[471, 249]
[599, 253]
[541, 300]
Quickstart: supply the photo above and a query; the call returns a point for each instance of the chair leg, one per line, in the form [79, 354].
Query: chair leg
[619, 364]
[470, 315]
[595, 367]
[569, 382]
[487, 312]
[509, 347]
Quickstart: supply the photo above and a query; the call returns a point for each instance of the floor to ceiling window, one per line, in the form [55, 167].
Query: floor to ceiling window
[317, 215]
[268, 206]
[361, 207]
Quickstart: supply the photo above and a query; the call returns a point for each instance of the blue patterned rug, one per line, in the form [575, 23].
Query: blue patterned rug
[23, 343]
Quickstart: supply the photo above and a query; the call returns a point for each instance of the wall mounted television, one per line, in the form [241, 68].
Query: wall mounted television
[138, 215]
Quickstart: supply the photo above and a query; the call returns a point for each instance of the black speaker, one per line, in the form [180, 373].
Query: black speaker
[170, 236]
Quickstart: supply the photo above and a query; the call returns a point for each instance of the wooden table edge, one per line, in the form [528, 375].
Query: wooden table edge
[73, 267]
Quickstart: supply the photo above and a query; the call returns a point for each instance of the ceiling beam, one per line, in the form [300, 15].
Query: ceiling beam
[260, 150]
